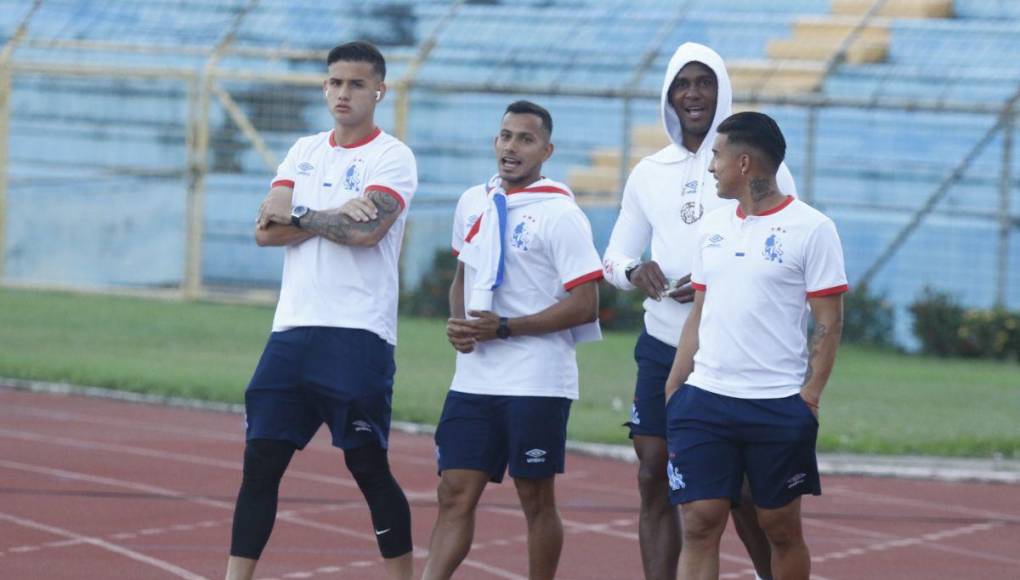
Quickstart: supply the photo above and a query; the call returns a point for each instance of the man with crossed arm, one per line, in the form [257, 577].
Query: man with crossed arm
[338, 205]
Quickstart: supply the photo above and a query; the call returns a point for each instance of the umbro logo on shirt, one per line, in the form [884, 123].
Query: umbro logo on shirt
[714, 242]
[305, 168]
[535, 456]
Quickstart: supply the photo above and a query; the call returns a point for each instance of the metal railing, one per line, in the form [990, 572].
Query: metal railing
[207, 86]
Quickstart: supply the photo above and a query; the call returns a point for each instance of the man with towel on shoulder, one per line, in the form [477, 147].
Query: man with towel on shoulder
[526, 279]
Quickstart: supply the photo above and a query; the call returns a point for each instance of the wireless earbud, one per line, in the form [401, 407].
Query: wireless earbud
[378, 95]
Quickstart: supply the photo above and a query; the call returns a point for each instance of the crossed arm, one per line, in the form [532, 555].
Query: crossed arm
[579, 307]
[358, 222]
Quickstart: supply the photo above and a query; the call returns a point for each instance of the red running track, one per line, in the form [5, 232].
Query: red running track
[92, 488]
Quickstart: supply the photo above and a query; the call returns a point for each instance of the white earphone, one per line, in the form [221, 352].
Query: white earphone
[378, 95]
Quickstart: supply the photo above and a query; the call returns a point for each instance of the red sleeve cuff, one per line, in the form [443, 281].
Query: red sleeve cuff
[829, 291]
[283, 183]
[596, 275]
[390, 192]
[455, 252]
[699, 287]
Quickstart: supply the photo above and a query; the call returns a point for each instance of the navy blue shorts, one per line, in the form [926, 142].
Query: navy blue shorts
[490, 432]
[311, 375]
[714, 440]
[654, 360]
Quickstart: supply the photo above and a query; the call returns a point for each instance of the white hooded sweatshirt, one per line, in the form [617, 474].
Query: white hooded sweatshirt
[665, 197]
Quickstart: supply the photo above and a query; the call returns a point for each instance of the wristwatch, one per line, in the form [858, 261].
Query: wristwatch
[630, 270]
[296, 214]
[504, 327]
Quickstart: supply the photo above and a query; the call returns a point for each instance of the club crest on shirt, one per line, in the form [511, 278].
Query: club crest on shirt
[691, 212]
[354, 174]
[690, 188]
[521, 236]
[773, 250]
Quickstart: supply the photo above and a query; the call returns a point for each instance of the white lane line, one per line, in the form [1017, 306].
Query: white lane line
[169, 529]
[919, 541]
[107, 422]
[927, 541]
[493, 570]
[112, 482]
[928, 505]
[232, 436]
[103, 544]
[234, 466]
[605, 530]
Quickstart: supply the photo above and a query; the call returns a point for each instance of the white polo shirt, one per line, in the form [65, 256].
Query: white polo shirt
[549, 250]
[330, 284]
[757, 273]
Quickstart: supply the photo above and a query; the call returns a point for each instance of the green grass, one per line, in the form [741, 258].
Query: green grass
[876, 402]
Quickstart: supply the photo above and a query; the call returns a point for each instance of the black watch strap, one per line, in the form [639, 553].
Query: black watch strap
[504, 327]
[630, 270]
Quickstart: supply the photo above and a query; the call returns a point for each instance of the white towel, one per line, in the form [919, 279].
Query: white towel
[484, 245]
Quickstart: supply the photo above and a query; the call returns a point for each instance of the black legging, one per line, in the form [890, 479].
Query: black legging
[265, 461]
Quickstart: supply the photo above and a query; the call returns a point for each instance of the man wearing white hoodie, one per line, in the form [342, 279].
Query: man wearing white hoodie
[664, 199]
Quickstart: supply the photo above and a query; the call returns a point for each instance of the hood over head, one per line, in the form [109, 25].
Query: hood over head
[686, 53]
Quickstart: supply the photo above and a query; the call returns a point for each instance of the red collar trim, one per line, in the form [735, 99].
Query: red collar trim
[777, 209]
[368, 139]
[541, 189]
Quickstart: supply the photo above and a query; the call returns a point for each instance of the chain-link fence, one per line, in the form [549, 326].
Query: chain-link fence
[138, 137]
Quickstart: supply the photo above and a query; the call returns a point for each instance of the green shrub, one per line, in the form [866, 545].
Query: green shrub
[937, 320]
[431, 297]
[867, 318]
[988, 333]
[620, 310]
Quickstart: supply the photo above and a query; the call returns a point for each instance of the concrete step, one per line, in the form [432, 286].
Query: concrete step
[836, 28]
[648, 137]
[594, 181]
[896, 8]
[776, 77]
[859, 52]
[610, 157]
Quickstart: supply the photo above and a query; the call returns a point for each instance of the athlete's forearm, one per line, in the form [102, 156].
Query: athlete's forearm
[581, 306]
[280, 235]
[456, 295]
[336, 226]
[822, 346]
[683, 362]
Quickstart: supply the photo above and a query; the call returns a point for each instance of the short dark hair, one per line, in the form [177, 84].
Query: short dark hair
[527, 107]
[756, 130]
[359, 51]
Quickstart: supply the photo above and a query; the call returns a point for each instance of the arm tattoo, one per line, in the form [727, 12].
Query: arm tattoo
[760, 188]
[816, 339]
[341, 229]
